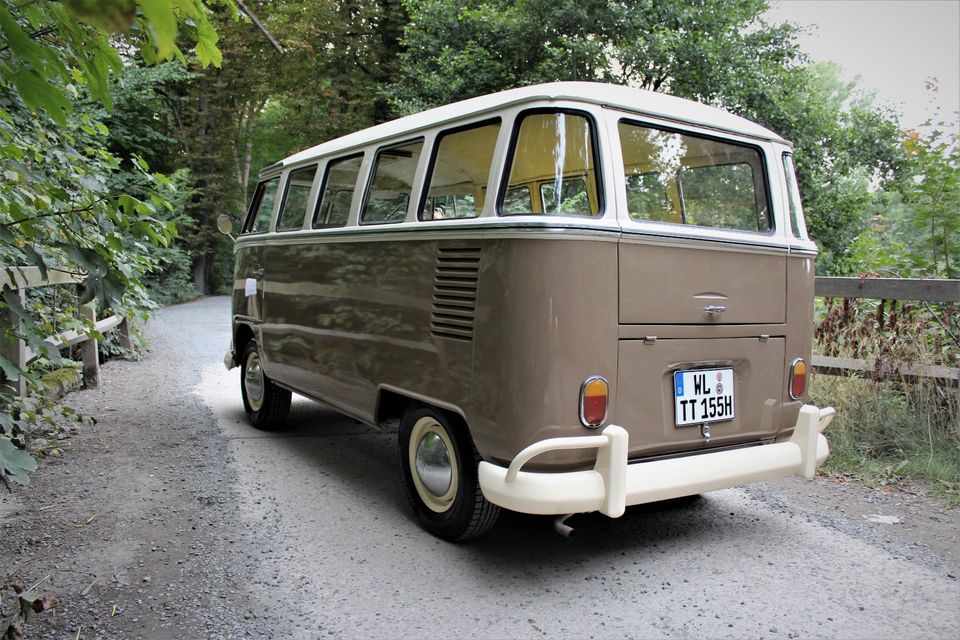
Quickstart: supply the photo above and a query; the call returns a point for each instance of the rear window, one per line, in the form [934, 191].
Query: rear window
[553, 167]
[682, 178]
[261, 209]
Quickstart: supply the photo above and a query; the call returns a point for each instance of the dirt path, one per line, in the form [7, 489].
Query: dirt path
[171, 518]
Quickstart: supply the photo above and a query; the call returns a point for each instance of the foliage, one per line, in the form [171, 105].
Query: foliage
[715, 51]
[66, 200]
[893, 426]
[933, 193]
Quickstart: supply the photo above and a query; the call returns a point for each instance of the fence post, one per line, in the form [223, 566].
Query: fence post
[123, 334]
[14, 349]
[89, 350]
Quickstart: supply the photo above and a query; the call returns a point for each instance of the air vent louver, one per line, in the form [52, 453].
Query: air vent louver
[455, 293]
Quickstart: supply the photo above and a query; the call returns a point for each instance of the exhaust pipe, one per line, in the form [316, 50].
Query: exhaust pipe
[561, 527]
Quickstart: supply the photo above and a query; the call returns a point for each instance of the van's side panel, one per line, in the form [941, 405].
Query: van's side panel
[546, 319]
[800, 288]
[347, 315]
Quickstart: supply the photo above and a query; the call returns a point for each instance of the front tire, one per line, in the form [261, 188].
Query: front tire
[267, 405]
[439, 465]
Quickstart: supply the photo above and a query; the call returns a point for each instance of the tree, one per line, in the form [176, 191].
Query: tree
[66, 200]
[717, 52]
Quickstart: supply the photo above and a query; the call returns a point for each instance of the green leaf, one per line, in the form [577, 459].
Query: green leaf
[38, 93]
[9, 369]
[14, 463]
[162, 24]
[12, 299]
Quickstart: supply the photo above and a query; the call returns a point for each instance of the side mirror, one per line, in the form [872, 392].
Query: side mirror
[225, 225]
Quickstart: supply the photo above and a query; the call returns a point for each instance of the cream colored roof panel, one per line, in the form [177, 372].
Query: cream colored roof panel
[641, 101]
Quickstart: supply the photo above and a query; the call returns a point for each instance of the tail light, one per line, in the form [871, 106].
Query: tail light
[798, 378]
[593, 401]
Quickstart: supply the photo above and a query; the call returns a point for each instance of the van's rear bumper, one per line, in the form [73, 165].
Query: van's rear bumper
[613, 483]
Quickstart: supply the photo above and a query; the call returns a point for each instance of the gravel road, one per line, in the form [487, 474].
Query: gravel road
[206, 528]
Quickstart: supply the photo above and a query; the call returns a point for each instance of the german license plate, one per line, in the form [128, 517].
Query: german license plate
[702, 395]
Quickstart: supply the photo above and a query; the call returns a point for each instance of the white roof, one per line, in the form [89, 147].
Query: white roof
[636, 100]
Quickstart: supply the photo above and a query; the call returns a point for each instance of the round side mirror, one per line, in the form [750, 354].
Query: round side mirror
[225, 224]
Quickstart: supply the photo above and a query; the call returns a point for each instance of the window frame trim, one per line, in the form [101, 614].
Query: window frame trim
[323, 186]
[620, 117]
[510, 154]
[372, 174]
[435, 151]
[255, 205]
[286, 192]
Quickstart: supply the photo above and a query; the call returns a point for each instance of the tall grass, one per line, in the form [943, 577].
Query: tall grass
[889, 432]
[892, 429]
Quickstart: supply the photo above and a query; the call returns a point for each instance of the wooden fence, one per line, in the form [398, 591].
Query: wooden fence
[887, 289]
[15, 349]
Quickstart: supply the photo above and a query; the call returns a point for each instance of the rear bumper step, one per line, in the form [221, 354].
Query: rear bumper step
[613, 483]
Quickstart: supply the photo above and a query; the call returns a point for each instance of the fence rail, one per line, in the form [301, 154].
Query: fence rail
[887, 289]
[15, 349]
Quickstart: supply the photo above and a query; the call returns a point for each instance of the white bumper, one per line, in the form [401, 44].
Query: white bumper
[613, 484]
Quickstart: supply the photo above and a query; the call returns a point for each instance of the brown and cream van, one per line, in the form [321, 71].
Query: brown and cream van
[573, 297]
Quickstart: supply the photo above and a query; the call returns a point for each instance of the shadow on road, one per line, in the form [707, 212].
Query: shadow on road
[363, 461]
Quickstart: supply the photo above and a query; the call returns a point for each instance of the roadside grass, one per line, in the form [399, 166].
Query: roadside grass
[889, 432]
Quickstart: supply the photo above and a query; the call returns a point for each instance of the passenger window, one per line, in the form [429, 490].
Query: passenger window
[333, 205]
[793, 198]
[688, 179]
[459, 172]
[258, 219]
[389, 191]
[294, 205]
[553, 155]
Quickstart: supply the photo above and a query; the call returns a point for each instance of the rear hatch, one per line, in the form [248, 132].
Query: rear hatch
[702, 343]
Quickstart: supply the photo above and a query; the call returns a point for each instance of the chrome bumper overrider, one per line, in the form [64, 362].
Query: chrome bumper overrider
[613, 484]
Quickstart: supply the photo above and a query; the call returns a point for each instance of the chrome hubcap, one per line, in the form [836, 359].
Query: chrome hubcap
[433, 464]
[253, 382]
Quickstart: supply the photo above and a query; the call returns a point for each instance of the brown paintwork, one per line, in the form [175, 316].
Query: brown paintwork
[503, 324]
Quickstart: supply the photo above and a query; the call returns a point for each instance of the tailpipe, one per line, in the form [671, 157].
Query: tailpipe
[561, 526]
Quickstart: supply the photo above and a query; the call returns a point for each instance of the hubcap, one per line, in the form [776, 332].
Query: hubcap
[433, 464]
[253, 382]
[432, 461]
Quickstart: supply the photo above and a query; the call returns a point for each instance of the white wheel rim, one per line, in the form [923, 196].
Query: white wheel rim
[428, 441]
[253, 382]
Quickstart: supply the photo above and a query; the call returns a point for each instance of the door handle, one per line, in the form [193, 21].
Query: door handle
[258, 273]
[712, 309]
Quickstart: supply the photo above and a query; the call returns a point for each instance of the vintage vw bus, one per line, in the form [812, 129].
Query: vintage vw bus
[573, 297]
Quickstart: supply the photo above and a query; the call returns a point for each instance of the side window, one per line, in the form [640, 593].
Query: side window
[553, 157]
[797, 227]
[294, 205]
[687, 179]
[389, 192]
[339, 183]
[258, 219]
[459, 172]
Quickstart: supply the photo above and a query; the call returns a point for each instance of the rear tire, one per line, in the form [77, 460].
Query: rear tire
[439, 465]
[267, 405]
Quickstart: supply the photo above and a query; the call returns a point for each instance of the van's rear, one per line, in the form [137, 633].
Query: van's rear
[714, 317]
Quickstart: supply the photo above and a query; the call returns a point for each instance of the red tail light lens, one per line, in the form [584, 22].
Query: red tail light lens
[593, 401]
[798, 378]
